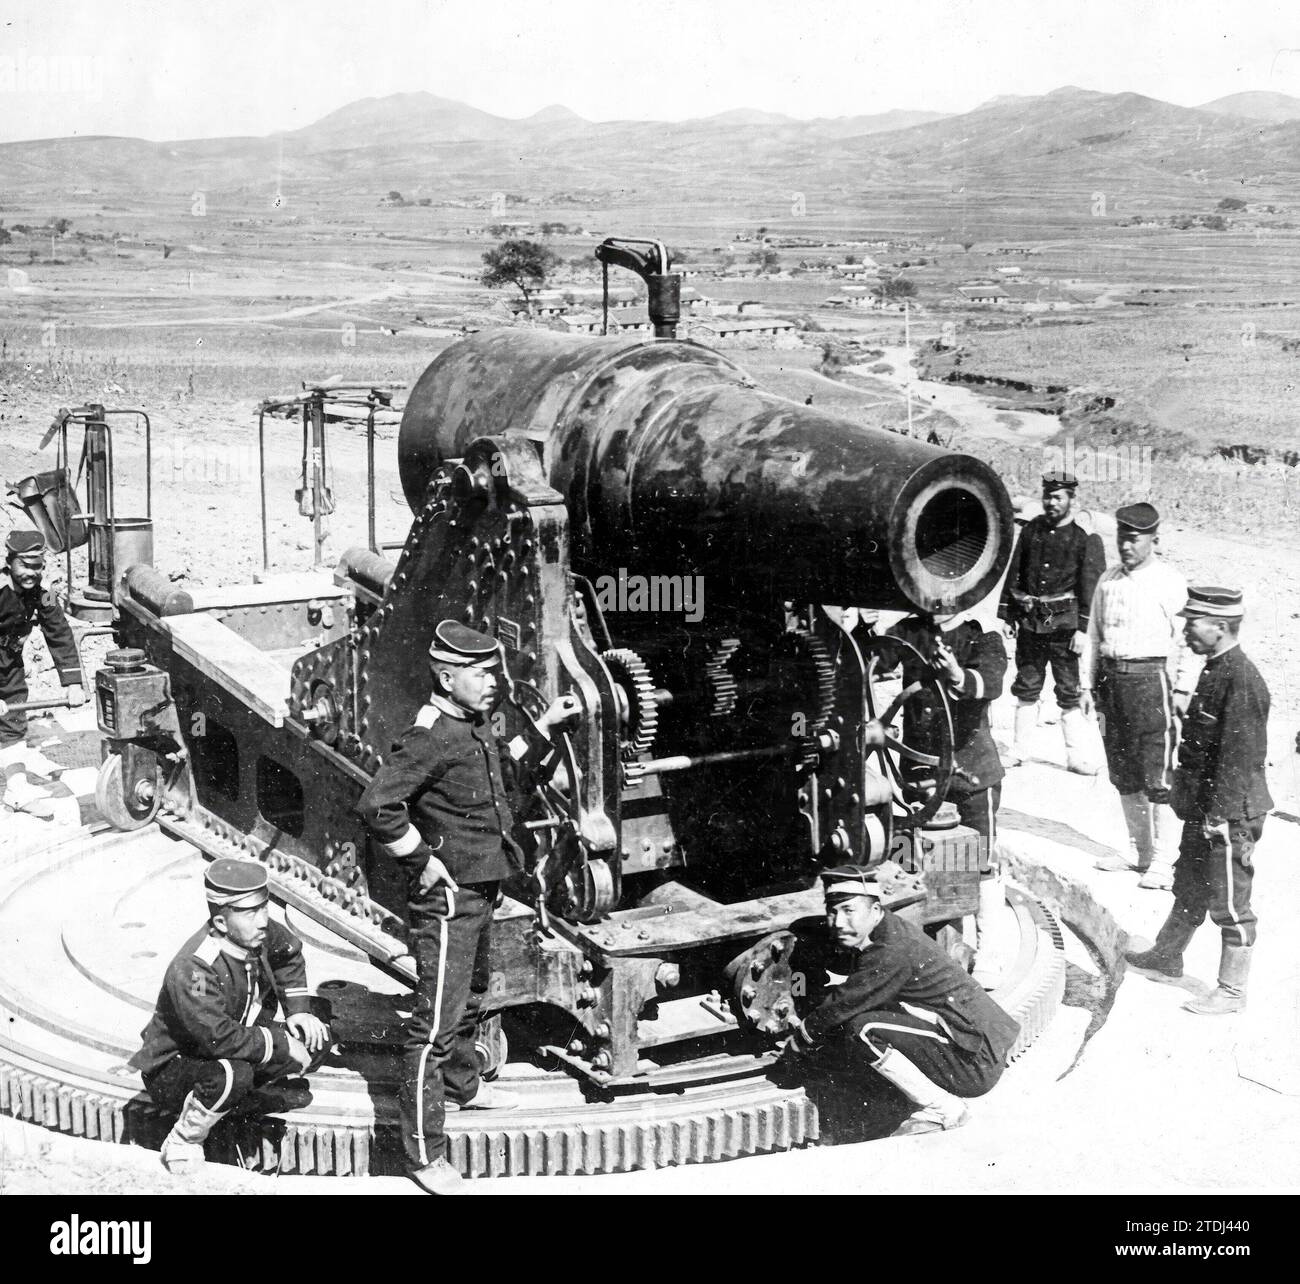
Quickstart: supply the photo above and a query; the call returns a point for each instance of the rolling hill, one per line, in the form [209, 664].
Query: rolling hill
[1070, 139]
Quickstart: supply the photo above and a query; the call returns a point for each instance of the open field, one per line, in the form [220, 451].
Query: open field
[196, 310]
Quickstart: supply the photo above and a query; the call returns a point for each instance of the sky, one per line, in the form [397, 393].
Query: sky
[170, 69]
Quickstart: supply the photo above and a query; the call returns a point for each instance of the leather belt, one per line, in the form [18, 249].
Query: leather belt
[1144, 665]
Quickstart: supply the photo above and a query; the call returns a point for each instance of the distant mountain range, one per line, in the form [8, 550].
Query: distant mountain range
[421, 144]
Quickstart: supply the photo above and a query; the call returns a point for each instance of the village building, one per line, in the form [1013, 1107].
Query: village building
[756, 331]
[983, 294]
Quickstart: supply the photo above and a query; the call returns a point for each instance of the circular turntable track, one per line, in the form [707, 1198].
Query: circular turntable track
[90, 923]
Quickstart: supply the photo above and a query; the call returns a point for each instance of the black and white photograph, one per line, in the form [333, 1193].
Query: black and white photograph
[660, 598]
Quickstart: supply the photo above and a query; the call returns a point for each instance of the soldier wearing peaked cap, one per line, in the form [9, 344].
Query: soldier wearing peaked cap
[970, 662]
[905, 1009]
[24, 605]
[213, 1045]
[438, 807]
[1142, 676]
[1221, 796]
[1046, 600]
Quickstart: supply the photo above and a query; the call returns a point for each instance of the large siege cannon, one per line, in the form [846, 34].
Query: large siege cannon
[642, 527]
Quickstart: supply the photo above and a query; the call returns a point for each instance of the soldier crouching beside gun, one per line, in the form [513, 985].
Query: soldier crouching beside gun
[905, 1010]
[1221, 796]
[212, 1046]
[438, 806]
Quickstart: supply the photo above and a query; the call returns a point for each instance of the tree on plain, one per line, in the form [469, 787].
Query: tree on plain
[523, 264]
[897, 287]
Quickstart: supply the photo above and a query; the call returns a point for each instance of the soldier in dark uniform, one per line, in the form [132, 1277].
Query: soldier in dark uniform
[438, 806]
[905, 1010]
[1046, 599]
[24, 604]
[212, 1046]
[972, 664]
[1221, 795]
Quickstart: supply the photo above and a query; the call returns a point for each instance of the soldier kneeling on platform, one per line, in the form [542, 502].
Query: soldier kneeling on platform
[212, 1046]
[905, 1010]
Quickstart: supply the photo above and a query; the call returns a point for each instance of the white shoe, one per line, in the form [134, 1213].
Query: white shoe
[488, 1097]
[23, 796]
[930, 1119]
[439, 1178]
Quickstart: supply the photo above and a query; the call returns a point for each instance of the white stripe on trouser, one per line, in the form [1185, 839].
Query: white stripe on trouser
[864, 1033]
[230, 1083]
[988, 802]
[433, 1028]
[1230, 887]
[1171, 735]
[924, 1014]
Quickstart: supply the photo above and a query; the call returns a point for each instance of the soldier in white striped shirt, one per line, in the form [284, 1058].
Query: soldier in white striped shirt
[1141, 675]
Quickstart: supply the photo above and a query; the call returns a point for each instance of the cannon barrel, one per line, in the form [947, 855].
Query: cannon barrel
[672, 462]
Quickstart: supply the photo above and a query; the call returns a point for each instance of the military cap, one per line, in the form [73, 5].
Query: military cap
[1059, 479]
[851, 880]
[1220, 603]
[1142, 518]
[24, 544]
[236, 884]
[456, 643]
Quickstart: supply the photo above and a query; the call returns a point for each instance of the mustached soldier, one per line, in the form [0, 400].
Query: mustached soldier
[24, 604]
[438, 806]
[1221, 796]
[1046, 600]
[905, 1010]
[212, 1046]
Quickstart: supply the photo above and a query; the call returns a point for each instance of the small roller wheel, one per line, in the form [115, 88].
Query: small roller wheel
[492, 1048]
[124, 809]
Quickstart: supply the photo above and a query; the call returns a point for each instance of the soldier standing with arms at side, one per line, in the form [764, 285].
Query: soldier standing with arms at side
[1143, 678]
[24, 604]
[438, 807]
[1221, 795]
[1046, 600]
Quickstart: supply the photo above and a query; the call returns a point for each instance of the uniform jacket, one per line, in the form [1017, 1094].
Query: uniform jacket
[1061, 562]
[1225, 743]
[217, 1001]
[442, 786]
[19, 614]
[902, 969]
[983, 659]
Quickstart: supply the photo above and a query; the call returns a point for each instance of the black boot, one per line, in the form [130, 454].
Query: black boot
[1166, 955]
